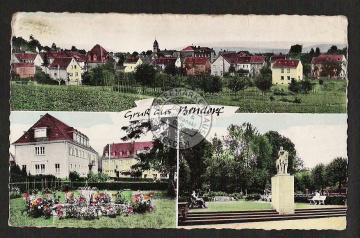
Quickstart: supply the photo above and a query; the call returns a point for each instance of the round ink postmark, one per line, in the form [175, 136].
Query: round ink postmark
[180, 113]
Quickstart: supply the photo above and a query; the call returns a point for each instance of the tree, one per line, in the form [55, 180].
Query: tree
[318, 177]
[294, 86]
[333, 49]
[312, 52]
[236, 84]
[317, 52]
[232, 69]
[263, 83]
[306, 69]
[74, 176]
[144, 75]
[171, 69]
[306, 86]
[295, 49]
[276, 141]
[73, 48]
[160, 157]
[336, 172]
[330, 68]
[46, 63]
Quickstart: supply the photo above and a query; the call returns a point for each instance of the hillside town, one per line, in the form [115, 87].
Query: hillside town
[71, 66]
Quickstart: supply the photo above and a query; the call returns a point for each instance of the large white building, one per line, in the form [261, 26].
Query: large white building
[52, 147]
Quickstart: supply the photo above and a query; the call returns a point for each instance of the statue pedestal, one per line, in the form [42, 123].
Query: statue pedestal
[282, 194]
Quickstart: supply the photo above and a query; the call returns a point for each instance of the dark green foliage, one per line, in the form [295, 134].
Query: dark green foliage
[318, 177]
[253, 197]
[336, 172]
[330, 68]
[143, 186]
[236, 84]
[171, 69]
[74, 176]
[42, 78]
[272, 98]
[295, 49]
[144, 75]
[263, 83]
[294, 86]
[321, 82]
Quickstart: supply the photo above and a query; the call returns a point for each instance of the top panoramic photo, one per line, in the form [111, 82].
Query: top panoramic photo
[105, 62]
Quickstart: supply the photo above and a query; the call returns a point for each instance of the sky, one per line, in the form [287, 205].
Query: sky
[137, 32]
[318, 138]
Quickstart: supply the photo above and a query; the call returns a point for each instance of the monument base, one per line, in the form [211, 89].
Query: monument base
[282, 194]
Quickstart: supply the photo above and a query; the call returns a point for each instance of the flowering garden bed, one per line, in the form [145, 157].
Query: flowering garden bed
[112, 209]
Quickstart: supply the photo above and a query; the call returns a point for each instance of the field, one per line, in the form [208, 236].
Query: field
[327, 98]
[163, 217]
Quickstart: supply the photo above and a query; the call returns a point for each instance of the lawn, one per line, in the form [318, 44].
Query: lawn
[248, 206]
[163, 216]
[327, 98]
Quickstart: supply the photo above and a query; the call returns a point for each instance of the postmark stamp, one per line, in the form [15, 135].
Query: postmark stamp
[171, 120]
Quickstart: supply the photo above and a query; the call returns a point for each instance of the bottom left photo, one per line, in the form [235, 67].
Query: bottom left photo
[89, 170]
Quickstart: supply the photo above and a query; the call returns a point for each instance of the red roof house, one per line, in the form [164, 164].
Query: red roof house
[196, 65]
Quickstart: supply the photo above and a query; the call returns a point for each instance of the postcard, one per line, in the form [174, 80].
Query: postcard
[178, 121]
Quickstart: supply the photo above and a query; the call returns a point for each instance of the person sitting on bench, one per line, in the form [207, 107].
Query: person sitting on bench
[196, 200]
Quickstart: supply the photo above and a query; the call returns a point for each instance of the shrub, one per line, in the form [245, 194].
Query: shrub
[124, 185]
[272, 98]
[297, 100]
[254, 196]
[236, 196]
[321, 81]
[280, 92]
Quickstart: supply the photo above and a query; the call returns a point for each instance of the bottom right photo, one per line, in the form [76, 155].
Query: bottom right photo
[266, 171]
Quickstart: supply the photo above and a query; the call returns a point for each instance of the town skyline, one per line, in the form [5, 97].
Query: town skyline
[137, 32]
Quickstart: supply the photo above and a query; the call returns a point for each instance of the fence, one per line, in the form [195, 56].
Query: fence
[120, 185]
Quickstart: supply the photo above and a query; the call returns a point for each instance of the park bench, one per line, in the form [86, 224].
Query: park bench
[317, 200]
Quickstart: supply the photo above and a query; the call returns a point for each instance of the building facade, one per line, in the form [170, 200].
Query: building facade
[52, 147]
[337, 62]
[66, 69]
[283, 71]
[118, 163]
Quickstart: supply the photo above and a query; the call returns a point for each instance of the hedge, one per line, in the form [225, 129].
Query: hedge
[123, 185]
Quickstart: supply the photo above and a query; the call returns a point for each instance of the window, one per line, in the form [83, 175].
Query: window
[71, 167]
[57, 168]
[76, 74]
[39, 168]
[288, 78]
[40, 132]
[282, 77]
[282, 71]
[55, 74]
[75, 67]
[71, 74]
[39, 150]
[288, 70]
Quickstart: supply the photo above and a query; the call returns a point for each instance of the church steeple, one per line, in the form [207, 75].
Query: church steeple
[155, 47]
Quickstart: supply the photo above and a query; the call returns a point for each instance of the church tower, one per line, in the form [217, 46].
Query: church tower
[155, 48]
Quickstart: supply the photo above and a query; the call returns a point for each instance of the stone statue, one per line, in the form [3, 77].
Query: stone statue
[282, 162]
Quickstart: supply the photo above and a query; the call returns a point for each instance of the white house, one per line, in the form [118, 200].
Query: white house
[131, 63]
[52, 147]
[67, 69]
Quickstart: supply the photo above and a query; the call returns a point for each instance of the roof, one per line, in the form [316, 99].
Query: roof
[164, 61]
[64, 54]
[193, 48]
[25, 56]
[196, 60]
[324, 57]
[256, 59]
[234, 58]
[99, 51]
[286, 63]
[56, 130]
[155, 44]
[131, 60]
[126, 146]
[18, 65]
[276, 57]
[61, 62]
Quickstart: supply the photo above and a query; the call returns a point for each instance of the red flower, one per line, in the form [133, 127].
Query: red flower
[60, 213]
[46, 208]
[109, 208]
[101, 195]
[39, 200]
[59, 207]
[25, 196]
[150, 209]
[130, 209]
[137, 196]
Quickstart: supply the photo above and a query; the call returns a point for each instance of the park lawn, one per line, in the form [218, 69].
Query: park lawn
[249, 206]
[327, 98]
[163, 216]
